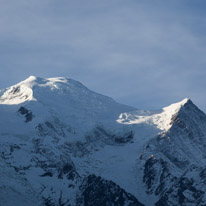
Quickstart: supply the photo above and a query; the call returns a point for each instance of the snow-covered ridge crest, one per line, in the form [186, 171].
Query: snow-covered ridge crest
[19, 93]
[25, 90]
[68, 99]
[161, 119]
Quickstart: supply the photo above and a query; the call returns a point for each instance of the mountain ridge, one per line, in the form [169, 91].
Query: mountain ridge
[61, 140]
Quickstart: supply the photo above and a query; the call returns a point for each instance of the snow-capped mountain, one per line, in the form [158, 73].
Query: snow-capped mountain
[62, 144]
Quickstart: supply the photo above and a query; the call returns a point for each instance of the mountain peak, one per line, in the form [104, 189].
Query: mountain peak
[33, 87]
[31, 78]
[63, 96]
[183, 109]
[162, 119]
[177, 106]
[50, 82]
[19, 93]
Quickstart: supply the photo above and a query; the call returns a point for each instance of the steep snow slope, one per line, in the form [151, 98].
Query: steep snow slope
[64, 100]
[162, 119]
[66, 145]
[175, 159]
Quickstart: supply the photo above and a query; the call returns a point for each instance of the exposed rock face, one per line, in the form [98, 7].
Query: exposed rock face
[28, 114]
[179, 155]
[99, 192]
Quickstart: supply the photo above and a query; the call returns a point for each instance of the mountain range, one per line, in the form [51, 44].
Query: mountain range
[62, 144]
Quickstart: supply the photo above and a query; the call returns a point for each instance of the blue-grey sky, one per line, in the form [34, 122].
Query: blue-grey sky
[144, 53]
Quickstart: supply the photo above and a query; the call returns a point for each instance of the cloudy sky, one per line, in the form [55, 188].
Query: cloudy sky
[145, 53]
